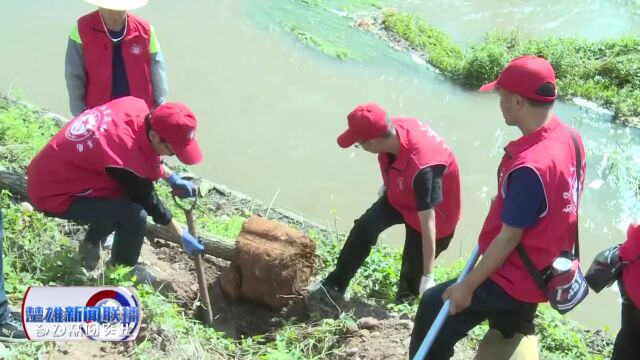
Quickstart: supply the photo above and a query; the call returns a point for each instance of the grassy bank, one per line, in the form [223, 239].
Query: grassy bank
[40, 251]
[606, 72]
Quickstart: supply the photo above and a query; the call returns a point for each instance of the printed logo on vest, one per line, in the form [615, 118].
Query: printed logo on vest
[136, 49]
[84, 125]
[401, 183]
[572, 195]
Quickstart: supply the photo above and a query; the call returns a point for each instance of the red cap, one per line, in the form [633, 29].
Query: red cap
[366, 122]
[524, 76]
[176, 124]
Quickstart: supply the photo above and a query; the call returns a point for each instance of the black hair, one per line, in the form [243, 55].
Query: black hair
[547, 90]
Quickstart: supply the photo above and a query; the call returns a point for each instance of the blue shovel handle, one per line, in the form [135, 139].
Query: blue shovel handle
[444, 311]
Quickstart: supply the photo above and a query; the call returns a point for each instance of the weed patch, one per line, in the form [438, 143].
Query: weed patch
[603, 71]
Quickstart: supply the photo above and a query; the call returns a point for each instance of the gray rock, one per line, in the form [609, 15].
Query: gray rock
[407, 324]
[352, 351]
[26, 206]
[351, 329]
[368, 323]
[276, 322]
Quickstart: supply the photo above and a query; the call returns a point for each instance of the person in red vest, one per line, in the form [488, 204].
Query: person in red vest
[536, 206]
[112, 53]
[100, 168]
[626, 346]
[422, 191]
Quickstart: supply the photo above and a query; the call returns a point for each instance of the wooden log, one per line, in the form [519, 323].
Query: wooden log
[217, 246]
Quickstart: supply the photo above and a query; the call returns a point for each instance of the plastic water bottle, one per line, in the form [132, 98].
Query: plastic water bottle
[561, 265]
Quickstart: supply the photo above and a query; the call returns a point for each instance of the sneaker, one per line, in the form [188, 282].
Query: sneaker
[89, 255]
[107, 243]
[324, 301]
[11, 330]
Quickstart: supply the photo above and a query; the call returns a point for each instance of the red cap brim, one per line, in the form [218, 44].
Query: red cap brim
[346, 139]
[190, 154]
[489, 87]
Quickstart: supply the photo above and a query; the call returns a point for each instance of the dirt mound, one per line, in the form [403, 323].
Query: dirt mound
[273, 263]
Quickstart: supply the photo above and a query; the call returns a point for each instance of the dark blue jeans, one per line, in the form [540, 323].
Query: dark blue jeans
[4, 304]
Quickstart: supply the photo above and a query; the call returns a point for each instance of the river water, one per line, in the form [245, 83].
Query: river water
[271, 108]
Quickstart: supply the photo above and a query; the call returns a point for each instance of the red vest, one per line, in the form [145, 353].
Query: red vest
[421, 147]
[549, 151]
[97, 48]
[73, 163]
[630, 251]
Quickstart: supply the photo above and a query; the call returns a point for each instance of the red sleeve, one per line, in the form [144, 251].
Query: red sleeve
[631, 248]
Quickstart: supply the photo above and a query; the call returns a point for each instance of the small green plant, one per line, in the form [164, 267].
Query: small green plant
[309, 39]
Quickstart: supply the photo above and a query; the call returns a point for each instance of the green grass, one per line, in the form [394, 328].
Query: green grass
[604, 71]
[326, 47]
[22, 134]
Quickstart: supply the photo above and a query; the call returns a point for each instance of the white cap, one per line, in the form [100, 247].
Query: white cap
[118, 4]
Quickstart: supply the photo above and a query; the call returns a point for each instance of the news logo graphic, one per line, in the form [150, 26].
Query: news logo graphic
[99, 313]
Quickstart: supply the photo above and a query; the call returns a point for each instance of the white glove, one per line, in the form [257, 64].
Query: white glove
[426, 283]
[381, 190]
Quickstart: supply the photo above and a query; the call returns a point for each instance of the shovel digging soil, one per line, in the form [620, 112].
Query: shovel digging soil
[202, 280]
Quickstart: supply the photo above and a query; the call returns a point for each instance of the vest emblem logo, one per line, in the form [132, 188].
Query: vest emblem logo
[84, 125]
[136, 49]
[400, 182]
[571, 196]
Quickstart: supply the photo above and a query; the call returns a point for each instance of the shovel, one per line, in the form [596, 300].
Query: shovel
[202, 281]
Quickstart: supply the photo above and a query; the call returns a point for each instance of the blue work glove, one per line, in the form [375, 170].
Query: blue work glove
[190, 244]
[182, 188]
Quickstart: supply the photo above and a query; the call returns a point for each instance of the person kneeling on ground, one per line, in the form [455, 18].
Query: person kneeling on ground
[536, 208]
[421, 191]
[100, 168]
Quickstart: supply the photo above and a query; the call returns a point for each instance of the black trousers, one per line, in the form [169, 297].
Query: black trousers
[490, 301]
[627, 345]
[127, 219]
[364, 234]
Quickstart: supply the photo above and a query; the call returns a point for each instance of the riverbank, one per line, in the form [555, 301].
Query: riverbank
[40, 250]
[604, 72]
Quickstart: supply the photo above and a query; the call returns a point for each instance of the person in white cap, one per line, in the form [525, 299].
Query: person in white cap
[112, 53]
